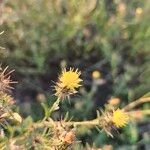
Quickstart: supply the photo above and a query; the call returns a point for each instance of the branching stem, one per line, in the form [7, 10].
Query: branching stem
[89, 123]
[135, 103]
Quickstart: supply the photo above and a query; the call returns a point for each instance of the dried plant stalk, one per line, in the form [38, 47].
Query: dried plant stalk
[5, 81]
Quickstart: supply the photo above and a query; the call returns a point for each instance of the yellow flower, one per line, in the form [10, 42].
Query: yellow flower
[96, 74]
[139, 11]
[120, 118]
[67, 83]
[70, 79]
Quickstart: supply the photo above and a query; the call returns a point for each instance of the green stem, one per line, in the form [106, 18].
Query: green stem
[55, 106]
[88, 123]
[48, 111]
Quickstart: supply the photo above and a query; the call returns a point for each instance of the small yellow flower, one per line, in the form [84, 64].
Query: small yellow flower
[120, 118]
[70, 79]
[139, 11]
[114, 101]
[96, 74]
[67, 83]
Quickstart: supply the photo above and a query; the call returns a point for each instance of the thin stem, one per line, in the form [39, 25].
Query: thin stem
[72, 123]
[143, 112]
[135, 103]
[83, 123]
[90, 123]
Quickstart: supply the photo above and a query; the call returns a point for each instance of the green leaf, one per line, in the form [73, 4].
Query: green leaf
[46, 109]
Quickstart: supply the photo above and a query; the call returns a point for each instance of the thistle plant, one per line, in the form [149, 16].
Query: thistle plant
[6, 100]
[67, 83]
[5, 81]
[49, 134]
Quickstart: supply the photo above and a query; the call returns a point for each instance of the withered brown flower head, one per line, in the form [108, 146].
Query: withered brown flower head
[5, 81]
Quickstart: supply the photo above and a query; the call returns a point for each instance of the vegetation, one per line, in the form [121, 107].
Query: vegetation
[54, 135]
[107, 40]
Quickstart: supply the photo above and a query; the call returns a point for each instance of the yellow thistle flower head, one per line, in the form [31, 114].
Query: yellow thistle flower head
[120, 118]
[67, 83]
[70, 79]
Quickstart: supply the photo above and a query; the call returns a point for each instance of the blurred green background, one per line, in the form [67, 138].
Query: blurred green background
[110, 36]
